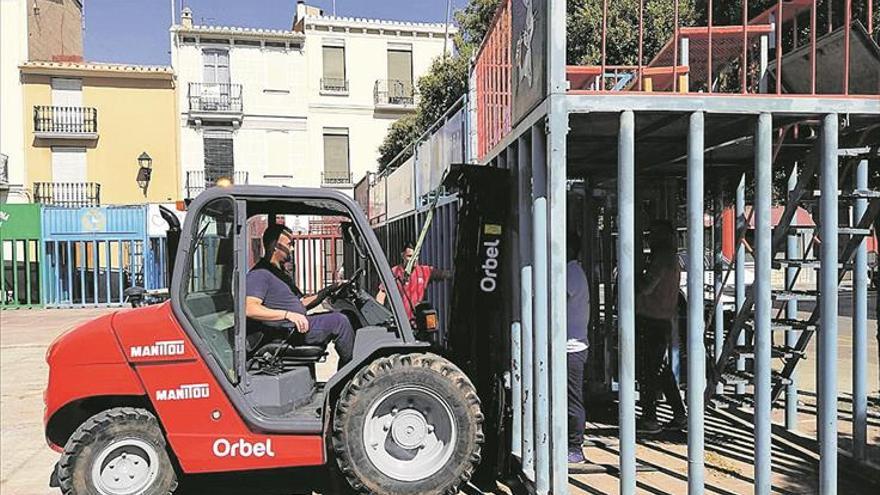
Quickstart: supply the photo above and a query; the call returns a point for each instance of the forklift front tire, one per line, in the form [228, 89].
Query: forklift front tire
[119, 451]
[408, 424]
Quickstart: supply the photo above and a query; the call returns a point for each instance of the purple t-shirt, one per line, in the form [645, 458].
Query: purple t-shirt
[274, 293]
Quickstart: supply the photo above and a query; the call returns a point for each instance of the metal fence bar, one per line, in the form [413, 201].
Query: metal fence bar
[541, 316]
[27, 270]
[626, 300]
[516, 397]
[791, 312]
[860, 324]
[740, 279]
[108, 271]
[718, 278]
[121, 270]
[70, 257]
[696, 326]
[83, 258]
[525, 249]
[14, 264]
[827, 398]
[96, 271]
[763, 303]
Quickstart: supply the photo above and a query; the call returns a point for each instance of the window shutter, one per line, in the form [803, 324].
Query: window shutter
[336, 153]
[218, 159]
[334, 63]
[400, 69]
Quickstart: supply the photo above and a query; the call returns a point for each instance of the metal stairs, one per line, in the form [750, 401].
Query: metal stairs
[724, 370]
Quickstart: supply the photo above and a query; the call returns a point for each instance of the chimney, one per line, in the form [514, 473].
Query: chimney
[186, 18]
[302, 11]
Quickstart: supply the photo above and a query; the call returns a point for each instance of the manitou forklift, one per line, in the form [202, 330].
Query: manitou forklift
[139, 397]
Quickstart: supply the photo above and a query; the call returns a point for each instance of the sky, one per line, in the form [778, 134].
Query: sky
[136, 31]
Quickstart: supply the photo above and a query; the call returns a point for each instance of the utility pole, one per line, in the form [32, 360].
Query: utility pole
[446, 35]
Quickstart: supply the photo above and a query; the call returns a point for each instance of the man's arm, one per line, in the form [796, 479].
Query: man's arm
[438, 274]
[255, 310]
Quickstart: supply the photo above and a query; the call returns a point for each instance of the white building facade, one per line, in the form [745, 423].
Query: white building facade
[307, 107]
[13, 52]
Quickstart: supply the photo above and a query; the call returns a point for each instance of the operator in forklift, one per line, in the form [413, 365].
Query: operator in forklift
[273, 296]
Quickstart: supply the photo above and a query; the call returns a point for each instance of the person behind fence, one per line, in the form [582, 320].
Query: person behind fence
[273, 296]
[656, 306]
[578, 320]
[412, 289]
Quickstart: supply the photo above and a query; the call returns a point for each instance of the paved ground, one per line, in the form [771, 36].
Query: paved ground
[25, 460]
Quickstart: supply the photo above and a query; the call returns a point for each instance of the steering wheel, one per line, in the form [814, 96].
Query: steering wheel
[344, 286]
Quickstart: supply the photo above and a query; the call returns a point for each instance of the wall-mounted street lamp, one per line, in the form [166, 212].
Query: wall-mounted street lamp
[145, 171]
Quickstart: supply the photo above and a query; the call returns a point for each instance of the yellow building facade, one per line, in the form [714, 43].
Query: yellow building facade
[86, 126]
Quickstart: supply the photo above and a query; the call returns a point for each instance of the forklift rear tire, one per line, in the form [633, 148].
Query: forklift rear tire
[119, 451]
[408, 424]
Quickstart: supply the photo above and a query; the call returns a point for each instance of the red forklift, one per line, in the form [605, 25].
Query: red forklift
[140, 397]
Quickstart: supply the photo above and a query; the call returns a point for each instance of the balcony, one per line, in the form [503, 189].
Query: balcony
[70, 194]
[51, 122]
[334, 86]
[336, 178]
[393, 94]
[215, 102]
[199, 180]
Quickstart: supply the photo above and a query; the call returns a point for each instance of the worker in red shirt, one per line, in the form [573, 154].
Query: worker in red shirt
[412, 288]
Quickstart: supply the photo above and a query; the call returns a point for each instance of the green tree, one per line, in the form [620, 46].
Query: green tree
[584, 29]
[400, 134]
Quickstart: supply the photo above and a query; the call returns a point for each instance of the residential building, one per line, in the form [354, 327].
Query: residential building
[307, 106]
[29, 30]
[99, 133]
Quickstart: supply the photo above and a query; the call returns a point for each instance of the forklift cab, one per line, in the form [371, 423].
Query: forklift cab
[276, 385]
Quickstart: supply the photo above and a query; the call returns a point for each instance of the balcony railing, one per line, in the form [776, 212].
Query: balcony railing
[74, 194]
[394, 92]
[336, 178]
[199, 180]
[72, 122]
[215, 97]
[334, 85]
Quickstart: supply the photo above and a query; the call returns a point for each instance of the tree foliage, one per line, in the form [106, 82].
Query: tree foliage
[622, 40]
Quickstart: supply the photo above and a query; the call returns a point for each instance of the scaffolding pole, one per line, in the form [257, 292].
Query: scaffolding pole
[740, 285]
[541, 319]
[763, 303]
[791, 312]
[827, 398]
[860, 324]
[626, 300]
[525, 249]
[696, 325]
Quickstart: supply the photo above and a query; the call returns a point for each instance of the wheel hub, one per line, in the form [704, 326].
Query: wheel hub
[125, 467]
[409, 429]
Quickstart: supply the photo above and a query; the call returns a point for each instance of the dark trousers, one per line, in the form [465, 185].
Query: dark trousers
[332, 326]
[653, 368]
[577, 417]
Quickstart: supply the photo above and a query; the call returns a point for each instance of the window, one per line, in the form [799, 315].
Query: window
[68, 164]
[336, 166]
[216, 65]
[333, 79]
[208, 296]
[219, 161]
[400, 77]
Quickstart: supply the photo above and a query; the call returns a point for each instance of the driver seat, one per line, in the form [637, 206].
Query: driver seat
[293, 355]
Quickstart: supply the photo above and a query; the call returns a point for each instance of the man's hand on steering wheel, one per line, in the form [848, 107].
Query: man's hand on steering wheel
[300, 322]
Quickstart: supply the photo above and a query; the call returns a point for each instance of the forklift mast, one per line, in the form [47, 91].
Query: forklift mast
[478, 334]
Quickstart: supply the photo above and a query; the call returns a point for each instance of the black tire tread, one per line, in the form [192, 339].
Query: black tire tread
[366, 375]
[87, 432]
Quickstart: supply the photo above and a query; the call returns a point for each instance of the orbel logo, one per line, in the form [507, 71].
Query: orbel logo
[490, 266]
[162, 348]
[185, 392]
[243, 448]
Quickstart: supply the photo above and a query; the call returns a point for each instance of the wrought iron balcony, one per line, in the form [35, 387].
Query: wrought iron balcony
[74, 194]
[334, 86]
[394, 93]
[53, 122]
[215, 98]
[336, 178]
[199, 180]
